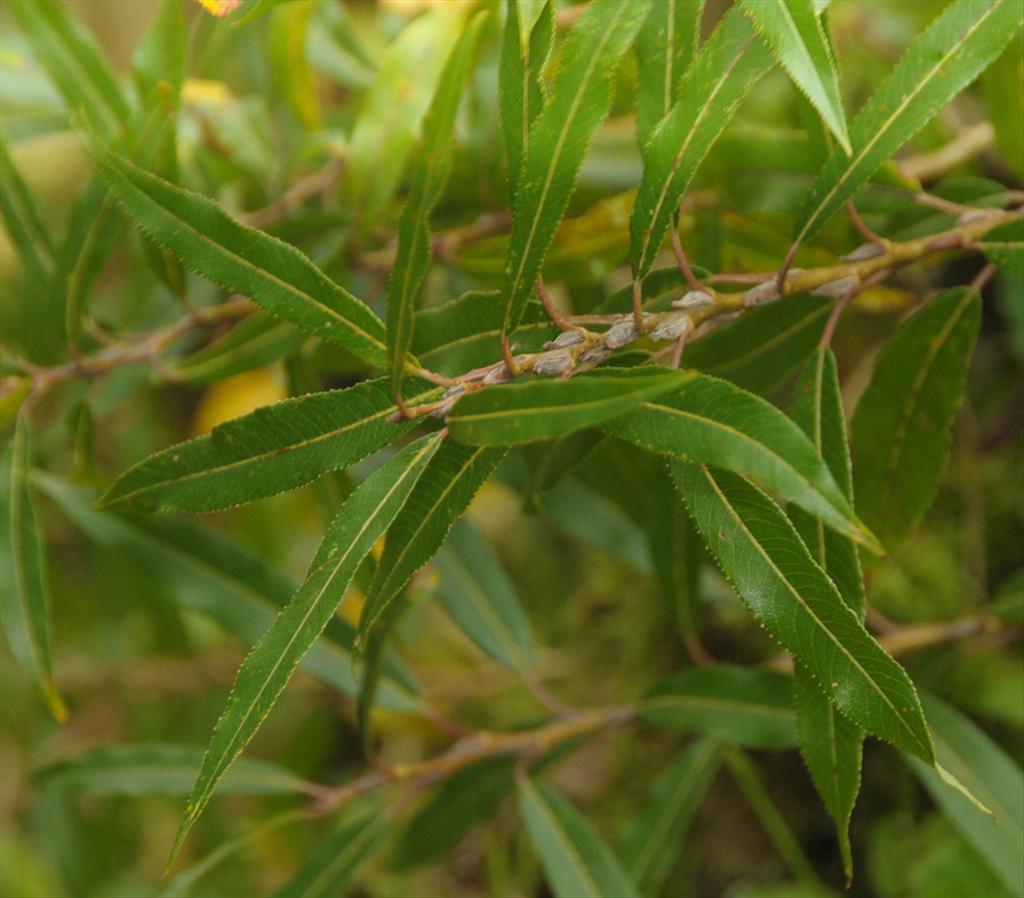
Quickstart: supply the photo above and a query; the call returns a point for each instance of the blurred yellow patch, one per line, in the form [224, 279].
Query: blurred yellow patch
[202, 92]
[219, 8]
[411, 7]
[237, 396]
[884, 299]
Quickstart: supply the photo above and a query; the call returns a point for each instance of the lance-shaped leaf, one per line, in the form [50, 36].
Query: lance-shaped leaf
[557, 142]
[74, 63]
[338, 859]
[775, 576]
[203, 570]
[1005, 246]
[478, 595]
[739, 705]
[830, 744]
[525, 46]
[797, 38]
[24, 590]
[466, 333]
[576, 860]
[722, 72]
[272, 273]
[942, 61]
[544, 409]
[710, 421]
[276, 448]
[360, 522]
[430, 175]
[650, 846]
[155, 768]
[444, 491]
[983, 767]
[765, 345]
[664, 47]
[29, 235]
[901, 427]
[258, 340]
[1005, 103]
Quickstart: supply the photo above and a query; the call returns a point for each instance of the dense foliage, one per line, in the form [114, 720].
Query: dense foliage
[608, 447]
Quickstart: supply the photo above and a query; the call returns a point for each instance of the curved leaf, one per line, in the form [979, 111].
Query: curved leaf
[901, 423]
[254, 342]
[557, 141]
[948, 56]
[710, 421]
[798, 604]
[360, 522]
[724, 69]
[276, 448]
[29, 235]
[797, 38]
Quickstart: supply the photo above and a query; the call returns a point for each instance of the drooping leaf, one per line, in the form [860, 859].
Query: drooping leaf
[797, 38]
[361, 521]
[451, 480]
[954, 49]
[30, 236]
[258, 340]
[273, 274]
[430, 175]
[766, 344]
[796, 602]
[901, 424]
[664, 47]
[830, 744]
[205, 571]
[739, 705]
[525, 46]
[24, 590]
[651, 844]
[724, 69]
[558, 140]
[338, 859]
[550, 463]
[74, 63]
[465, 333]
[154, 768]
[709, 421]
[981, 765]
[576, 860]
[544, 409]
[478, 595]
[276, 448]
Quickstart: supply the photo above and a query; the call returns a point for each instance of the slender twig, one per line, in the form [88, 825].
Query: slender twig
[862, 228]
[983, 277]
[554, 313]
[684, 266]
[318, 182]
[970, 142]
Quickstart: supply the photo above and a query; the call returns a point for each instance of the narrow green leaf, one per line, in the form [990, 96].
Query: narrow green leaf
[451, 480]
[739, 705]
[360, 522]
[941, 62]
[710, 421]
[901, 426]
[24, 589]
[796, 602]
[430, 175]
[478, 595]
[796, 36]
[465, 333]
[30, 236]
[276, 448]
[981, 765]
[160, 55]
[765, 345]
[74, 63]
[273, 274]
[288, 60]
[525, 46]
[580, 97]
[254, 342]
[203, 570]
[831, 745]
[664, 48]
[543, 409]
[1005, 246]
[155, 768]
[338, 859]
[650, 846]
[576, 860]
[728, 64]
[1004, 98]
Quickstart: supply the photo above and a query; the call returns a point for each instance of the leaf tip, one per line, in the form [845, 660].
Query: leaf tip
[950, 780]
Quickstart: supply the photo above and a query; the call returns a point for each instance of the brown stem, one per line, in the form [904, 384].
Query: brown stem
[862, 228]
[554, 313]
[684, 266]
[970, 142]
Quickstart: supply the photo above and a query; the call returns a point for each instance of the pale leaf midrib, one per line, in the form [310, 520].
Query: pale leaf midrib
[555, 827]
